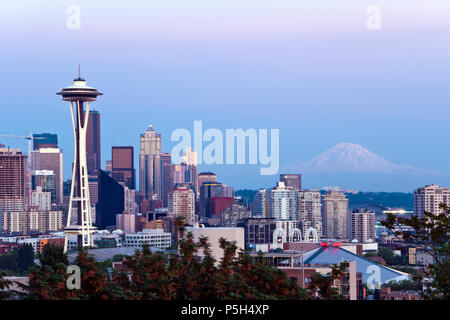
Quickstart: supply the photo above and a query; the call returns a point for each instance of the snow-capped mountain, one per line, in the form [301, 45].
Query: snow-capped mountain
[353, 158]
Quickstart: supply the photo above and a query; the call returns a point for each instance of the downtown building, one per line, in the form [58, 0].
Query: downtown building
[334, 215]
[429, 199]
[49, 159]
[182, 204]
[293, 181]
[234, 215]
[361, 226]
[122, 166]
[310, 212]
[13, 180]
[150, 164]
[260, 204]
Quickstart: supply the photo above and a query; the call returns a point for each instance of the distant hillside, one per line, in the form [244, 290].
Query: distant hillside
[386, 199]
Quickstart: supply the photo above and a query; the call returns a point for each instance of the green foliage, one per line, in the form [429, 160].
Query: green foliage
[4, 285]
[404, 285]
[25, 258]
[431, 233]
[391, 258]
[321, 286]
[8, 262]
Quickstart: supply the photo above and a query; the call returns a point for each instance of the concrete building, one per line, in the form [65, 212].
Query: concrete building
[31, 221]
[233, 215]
[41, 199]
[150, 164]
[334, 215]
[293, 181]
[182, 204]
[13, 180]
[282, 202]
[153, 237]
[258, 231]
[50, 159]
[214, 234]
[126, 222]
[361, 226]
[46, 180]
[260, 204]
[310, 211]
[429, 198]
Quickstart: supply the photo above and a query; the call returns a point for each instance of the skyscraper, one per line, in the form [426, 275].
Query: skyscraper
[334, 214]
[111, 200]
[46, 179]
[191, 170]
[93, 146]
[50, 159]
[429, 198]
[182, 203]
[13, 180]
[123, 166]
[310, 211]
[150, 164]
[282, 203]
[260, 206]
[293, 181]
[166, 177]
[206, 177]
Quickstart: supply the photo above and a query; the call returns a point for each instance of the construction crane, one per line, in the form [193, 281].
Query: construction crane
[30, 139]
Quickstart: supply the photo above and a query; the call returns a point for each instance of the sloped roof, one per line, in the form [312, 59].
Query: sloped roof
[335, 255]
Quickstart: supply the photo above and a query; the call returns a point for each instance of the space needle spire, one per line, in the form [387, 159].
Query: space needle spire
[79, 95]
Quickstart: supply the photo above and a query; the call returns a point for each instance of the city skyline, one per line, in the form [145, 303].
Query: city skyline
[250, 71]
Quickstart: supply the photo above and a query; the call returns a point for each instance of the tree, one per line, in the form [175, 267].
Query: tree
[431, 233]
[47, 281]
[322, 286]
[25, 258]
[4, 286]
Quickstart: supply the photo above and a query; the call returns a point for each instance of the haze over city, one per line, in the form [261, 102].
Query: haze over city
[314, 71]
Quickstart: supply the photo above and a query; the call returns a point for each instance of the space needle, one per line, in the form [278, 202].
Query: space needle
[79, 95]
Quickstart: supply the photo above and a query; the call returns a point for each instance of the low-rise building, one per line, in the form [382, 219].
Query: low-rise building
[153, 237]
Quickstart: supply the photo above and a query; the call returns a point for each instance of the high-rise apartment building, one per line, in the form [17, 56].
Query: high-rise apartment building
[209, 190]
[182, 204]
[50, 159]
[191, 169]
[334, 215]
[260, 205]
[150, 164]
[310, 211]
[93, 145]
[13, 180]
[282, 202]
[361, 225]
[429, 198]
[293, 181]
[123, 166]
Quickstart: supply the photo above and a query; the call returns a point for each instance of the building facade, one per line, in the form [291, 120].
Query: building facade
[334, 215]
[122, 166]
[150, 164]
[429, 199]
